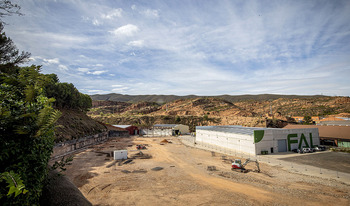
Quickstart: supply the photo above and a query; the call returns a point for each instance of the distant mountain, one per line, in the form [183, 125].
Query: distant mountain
[247, 110]
[170, 98]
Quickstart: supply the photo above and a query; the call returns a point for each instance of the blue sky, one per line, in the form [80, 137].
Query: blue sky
[189, 47]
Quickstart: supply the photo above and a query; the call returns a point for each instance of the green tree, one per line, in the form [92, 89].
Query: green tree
[307, 120]
[27, 122]
[9, 54]
[7, 8]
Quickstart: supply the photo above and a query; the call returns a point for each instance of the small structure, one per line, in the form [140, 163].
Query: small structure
[116, 131]
[254, 140]
[166, 130]
[133, 130]
[120, 154]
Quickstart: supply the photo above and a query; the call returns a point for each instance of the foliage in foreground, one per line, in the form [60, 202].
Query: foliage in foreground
[27, 122]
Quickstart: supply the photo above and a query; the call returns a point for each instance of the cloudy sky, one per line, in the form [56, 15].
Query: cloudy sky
[189, 47]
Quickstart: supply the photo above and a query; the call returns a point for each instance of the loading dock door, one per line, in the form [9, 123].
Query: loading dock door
[282, 145]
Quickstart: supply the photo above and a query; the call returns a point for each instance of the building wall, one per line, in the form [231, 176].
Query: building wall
[246, 143]
[235, 142]
[157, 132]
[133, 130]
[163, 132]
[184, 129]
[294, 138]
[116, 133]
[342, 143]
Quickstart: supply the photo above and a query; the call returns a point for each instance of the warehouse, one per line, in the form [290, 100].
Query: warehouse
[254, 140]
[166, 130]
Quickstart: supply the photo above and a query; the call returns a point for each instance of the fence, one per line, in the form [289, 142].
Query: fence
[271, 160]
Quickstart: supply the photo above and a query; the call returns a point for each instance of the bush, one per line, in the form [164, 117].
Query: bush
[26, 134]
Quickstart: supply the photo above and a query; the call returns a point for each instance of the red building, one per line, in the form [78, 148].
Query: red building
[133, 130]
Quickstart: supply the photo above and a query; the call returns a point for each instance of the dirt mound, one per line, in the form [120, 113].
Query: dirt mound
[164, 141]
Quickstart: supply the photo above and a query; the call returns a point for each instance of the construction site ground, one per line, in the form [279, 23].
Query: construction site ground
[171, 173]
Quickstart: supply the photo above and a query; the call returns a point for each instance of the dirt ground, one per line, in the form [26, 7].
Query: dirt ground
[175, 174]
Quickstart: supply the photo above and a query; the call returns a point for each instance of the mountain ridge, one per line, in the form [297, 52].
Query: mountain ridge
[170, 98]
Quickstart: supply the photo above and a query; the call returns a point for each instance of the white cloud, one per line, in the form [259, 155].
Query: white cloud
[62, 67]
[137, 43]
[91, 71]
[96, 22]
[117, 85]
[97, 72]
[126, 30]
[85, 70]
[151, 13]
[51, 61]
[96, 91]
[120, 90]
[133, 7]
[112, 14]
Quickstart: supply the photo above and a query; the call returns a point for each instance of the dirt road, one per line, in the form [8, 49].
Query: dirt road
[180, 177]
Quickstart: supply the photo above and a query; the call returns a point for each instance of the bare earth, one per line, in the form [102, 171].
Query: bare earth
[185, 180]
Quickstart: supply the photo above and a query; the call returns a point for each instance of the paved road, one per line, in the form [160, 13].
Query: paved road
[330, 165]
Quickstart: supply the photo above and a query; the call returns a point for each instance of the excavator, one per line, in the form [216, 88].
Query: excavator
[238, 166]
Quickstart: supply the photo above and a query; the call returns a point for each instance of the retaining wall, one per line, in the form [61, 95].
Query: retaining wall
[70, 146]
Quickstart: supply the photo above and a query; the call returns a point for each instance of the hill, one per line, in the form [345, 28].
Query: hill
[169, 98]
[218, 111]
[75, 124]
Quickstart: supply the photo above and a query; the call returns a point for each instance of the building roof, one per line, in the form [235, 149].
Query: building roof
[232, 129]
[123, 126]
[336, 132]
[335, 123]
[332, 118]
[166, 125]
[112, 127]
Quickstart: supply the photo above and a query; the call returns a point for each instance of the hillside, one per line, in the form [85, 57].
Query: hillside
[169, 98]
[217, 111]
[75, 124]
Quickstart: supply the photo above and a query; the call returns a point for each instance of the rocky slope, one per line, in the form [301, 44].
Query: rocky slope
[74, 124]
[218, 111]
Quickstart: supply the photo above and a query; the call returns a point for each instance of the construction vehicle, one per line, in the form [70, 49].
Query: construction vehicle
[238, 166]
[140, 146]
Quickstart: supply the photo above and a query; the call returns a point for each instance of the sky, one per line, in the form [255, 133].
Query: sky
[189, 47]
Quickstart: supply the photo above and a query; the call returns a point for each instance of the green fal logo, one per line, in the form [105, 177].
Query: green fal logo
[301, 140]
[258, 135]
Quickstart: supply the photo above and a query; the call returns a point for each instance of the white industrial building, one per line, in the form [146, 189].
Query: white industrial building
[254, 140]
[166, 130]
